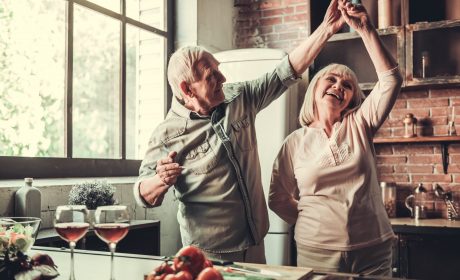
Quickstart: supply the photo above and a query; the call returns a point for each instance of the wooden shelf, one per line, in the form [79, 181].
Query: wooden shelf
[418, 139]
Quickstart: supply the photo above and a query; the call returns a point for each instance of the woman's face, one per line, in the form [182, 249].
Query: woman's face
[333, 92]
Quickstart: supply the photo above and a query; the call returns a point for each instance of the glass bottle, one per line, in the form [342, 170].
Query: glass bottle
[27, 200]
[389, 198]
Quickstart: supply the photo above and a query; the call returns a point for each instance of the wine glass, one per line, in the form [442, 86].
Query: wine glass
[71, 222]
[111, 225]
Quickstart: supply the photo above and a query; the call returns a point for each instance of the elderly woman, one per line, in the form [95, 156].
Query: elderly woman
[324, 179]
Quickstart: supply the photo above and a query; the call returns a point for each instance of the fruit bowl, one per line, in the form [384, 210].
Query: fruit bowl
[17, 234]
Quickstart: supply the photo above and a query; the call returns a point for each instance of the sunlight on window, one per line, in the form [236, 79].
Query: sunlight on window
[151, 12]
[96, 91]
[32, 77]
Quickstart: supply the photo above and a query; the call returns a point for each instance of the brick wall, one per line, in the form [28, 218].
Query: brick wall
[271, 24]
[284, 23]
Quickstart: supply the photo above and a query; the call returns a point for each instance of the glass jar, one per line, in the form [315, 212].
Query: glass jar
[410, 126]
[389, 198]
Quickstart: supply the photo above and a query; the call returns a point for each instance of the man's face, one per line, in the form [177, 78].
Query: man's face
[207, 88]
[334, 92]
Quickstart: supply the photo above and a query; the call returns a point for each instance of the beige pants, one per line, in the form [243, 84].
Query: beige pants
[373, 260]
[253, 254]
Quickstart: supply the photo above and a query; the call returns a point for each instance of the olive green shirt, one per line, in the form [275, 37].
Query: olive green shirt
[222, 206]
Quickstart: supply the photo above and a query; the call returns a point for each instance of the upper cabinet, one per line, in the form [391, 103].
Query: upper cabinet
[423, 35]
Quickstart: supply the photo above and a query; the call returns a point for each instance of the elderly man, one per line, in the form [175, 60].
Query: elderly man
[206, 148]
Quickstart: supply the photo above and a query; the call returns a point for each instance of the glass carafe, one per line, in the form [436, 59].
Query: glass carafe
[417, 202]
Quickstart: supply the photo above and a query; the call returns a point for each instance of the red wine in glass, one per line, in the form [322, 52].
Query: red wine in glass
[71, 222]
[71, 232]
[111, 233]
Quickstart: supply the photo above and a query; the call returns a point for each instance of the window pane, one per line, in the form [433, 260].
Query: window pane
[32, 78]
[145, 88]
[113, 5]
[96, 79]
[151, 12]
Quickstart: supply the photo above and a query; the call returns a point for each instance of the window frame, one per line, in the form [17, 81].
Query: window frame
[61, 167]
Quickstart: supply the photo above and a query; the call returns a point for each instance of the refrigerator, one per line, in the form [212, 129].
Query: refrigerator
[273, 124]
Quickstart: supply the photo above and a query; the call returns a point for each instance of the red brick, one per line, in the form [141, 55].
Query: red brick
[451, 168]
[400, 103]
[413, 149]
[437, 112]
[270, 21]
[439, 120]
[294, 18]
[271, 37]
[265, 29]
[413, 94]
[454, 159]
[387, 159]
[277, 12]
[291, 26]
[383, 132]
[385, 169]
[454, 148]
[444, 178]
[428, 102]
[270, 4]
[279, 45]
[424, 159]
[398, 132]
[394, 178]
[440, 130]
[450, 92]
[401, 113]
[455, 101]
[301, 9]
[383, 149]
[412, 168]
[289, 36]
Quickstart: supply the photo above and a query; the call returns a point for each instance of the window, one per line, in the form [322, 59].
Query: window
[82, 85]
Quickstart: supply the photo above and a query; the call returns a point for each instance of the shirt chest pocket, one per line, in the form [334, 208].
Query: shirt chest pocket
[202, 159]
[244, 132]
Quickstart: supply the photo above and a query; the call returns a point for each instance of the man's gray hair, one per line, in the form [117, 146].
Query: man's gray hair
[181, 67]
[307, 112]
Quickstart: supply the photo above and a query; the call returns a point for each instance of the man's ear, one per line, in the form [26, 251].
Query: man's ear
[185, 89]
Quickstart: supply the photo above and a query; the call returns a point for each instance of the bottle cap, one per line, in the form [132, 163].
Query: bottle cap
[29, 180]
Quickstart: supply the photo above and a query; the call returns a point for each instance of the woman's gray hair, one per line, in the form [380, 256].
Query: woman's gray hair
[307, 112]
[181, 67]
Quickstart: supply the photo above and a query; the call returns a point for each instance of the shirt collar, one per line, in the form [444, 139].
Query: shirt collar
[182, 111]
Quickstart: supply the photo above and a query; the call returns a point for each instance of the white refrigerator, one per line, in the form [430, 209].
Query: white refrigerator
[273, 124]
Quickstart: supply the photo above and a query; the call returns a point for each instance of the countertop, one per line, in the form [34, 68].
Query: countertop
[425, 226]
[96, 265]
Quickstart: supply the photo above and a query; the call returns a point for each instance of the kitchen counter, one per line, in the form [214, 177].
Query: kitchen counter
[96, 265]
[425, 226]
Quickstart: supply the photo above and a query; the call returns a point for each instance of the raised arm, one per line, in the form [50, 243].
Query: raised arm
[356, 16]
[304, 54]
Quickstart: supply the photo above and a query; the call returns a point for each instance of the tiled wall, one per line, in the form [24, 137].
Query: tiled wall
[284, 23]
[54, 194]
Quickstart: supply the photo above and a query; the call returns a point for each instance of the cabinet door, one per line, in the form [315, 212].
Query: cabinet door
[429, 256]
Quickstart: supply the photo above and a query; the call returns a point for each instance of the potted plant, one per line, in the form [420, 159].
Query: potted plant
[92, 194]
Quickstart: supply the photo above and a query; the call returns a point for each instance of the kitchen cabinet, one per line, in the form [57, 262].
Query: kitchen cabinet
[426, 249]
[425, 40]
